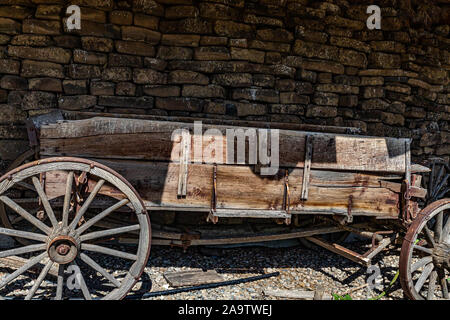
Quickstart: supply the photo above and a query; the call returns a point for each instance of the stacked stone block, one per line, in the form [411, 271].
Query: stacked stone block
[298, 61]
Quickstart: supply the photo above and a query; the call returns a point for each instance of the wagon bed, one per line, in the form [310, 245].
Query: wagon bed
[368, 170]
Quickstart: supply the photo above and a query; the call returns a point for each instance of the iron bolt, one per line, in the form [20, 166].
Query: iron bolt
[63, 249]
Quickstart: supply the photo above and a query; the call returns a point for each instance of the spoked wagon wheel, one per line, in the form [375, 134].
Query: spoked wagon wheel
[425, 254]
[69, 237]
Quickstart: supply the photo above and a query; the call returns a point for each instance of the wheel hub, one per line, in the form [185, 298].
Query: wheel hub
[63, 249]
[441, 255]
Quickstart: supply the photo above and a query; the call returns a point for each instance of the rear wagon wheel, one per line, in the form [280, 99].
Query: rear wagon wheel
[425, 254]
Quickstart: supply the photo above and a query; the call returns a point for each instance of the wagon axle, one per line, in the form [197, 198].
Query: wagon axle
[63, 249]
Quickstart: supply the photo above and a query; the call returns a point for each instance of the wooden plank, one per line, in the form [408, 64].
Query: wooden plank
[82, 115]
[381, 246]
[417, 168]
[344, 252]
[16, 262]
[241, 213]
[192, 278]
[415, 191]
[239, 188]
[113, 138]
[294, 294]
[251, 238]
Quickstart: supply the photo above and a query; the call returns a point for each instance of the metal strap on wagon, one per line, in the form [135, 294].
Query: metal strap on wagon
[185, 150]
[307, 167]
[287, 197]
[212, 213]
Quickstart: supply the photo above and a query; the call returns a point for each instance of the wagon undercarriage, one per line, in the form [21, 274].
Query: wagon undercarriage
[88, 196]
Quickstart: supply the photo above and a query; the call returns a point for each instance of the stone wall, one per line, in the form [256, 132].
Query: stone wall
[297, 61]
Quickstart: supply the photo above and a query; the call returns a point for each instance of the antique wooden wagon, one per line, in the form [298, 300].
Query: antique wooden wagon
[99, 178]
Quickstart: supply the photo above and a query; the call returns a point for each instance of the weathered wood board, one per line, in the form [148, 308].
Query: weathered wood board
[294, 294]
[239, 187]
[192, 278]
[82, 115]
[16, 262]
[113, 138]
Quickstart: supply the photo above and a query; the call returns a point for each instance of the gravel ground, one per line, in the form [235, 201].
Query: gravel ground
[300, 268]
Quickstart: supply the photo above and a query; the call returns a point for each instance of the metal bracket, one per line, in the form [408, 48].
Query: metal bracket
[349, 209]
[307, 167]
[287, 198]
[405, 201]
[211, 216]
[346, 218]
[185, 150]
[406, 184]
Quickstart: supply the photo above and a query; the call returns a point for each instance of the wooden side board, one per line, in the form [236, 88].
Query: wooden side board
[112, 138]
[240, 188]
[81, 115]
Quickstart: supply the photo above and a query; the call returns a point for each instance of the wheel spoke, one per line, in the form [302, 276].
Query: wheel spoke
[60, 283]
[45, 202]
[423, 249]
[423, 277]
[108, 251]
[22, 250]
[99, 269]
[109, 232]
[22, 269]
[442, 193]
[87, 203]
[82, 283]
[443, 283]
[441, 184]
[101, 215]
[429, 236]
[438, 226]
[21, 211]
[23, 234]
[39, 280]
[431, 181]
[16, 220]
[26, 186]
[422, 262]
[67, 197]
[446, 231]
[437, 180]
[432, 285]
